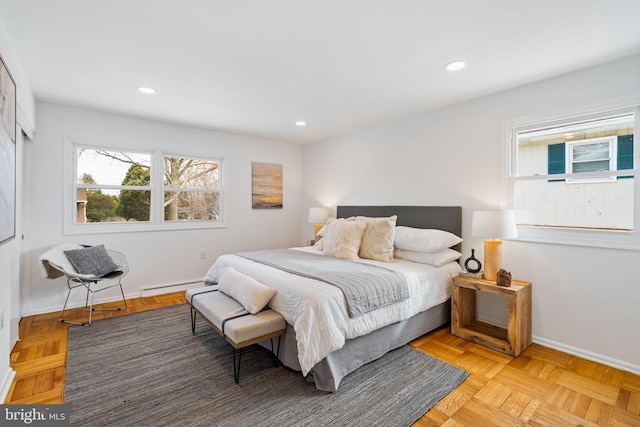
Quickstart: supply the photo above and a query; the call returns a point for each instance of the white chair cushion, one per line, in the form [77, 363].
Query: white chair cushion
[56, 256]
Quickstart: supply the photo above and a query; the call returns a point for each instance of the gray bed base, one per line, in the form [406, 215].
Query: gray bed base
[357, 352]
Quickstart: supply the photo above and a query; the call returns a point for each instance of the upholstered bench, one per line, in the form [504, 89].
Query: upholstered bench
[231, 320]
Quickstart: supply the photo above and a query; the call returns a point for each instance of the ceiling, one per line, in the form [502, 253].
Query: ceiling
[255, 67]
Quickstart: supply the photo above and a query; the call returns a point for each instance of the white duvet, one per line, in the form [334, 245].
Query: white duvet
[318, 312]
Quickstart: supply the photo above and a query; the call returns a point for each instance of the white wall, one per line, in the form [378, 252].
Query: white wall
[157, 257]
[10, 251]
[585, 300]
[25, 113]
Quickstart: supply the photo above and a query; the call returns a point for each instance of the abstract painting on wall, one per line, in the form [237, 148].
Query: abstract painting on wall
[266, 180]
[7, 154]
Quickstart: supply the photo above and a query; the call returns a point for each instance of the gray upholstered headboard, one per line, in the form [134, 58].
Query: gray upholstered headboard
[448, 218]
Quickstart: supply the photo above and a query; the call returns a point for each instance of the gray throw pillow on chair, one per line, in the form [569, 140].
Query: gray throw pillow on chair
[93, 260]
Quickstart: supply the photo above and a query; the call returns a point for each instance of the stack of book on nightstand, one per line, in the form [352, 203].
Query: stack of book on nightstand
[478, 275]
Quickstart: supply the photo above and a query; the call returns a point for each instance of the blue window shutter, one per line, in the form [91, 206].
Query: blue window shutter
[555, 160]
[625, 153]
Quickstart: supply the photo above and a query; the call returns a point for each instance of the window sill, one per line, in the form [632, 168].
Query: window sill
[625, 240]
[139, 227]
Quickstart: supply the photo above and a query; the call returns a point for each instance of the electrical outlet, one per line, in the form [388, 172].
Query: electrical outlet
[203, 254]
[1, 319]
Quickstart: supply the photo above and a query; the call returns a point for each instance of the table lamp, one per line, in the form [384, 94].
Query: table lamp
[319, 217]
[493, 225]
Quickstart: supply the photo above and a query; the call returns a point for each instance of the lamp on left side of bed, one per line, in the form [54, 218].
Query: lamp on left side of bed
[319, 217]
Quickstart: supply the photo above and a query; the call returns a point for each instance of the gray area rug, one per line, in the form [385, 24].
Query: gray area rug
[149, 369]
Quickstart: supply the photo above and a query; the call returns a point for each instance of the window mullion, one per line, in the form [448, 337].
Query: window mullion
[157, 213]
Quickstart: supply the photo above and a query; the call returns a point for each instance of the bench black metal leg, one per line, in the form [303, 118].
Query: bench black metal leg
[193, 320]
[276, 355]
[236, 368]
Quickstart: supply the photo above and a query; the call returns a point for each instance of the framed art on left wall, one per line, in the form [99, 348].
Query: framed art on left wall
[7, 154]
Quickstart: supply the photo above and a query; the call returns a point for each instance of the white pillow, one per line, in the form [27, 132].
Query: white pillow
[436, 259]
[322, 231]
[343, 238]
[377, 239]
[253, 295]
[326, 237]
[424, 240]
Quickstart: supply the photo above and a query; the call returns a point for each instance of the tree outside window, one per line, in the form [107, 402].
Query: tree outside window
[117, 186]
[191, 189]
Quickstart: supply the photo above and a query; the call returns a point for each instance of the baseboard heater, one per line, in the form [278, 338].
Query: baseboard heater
[171, 287]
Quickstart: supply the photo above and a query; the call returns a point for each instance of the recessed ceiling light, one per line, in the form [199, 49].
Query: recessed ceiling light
[455, 65]
[147, 90]
[301, 123]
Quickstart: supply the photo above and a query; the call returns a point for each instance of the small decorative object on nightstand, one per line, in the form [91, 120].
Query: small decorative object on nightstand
[478, 275]
[504, 278]
[475, 260]
[513, 339]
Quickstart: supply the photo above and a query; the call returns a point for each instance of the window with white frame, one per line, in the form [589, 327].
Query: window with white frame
[191, 189]
[572, 180]
[592, 155]
[116, 189]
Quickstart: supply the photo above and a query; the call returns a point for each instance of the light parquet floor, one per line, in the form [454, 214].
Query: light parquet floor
[541, 387]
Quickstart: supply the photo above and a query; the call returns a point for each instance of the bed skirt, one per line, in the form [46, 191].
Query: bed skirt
[357, 352]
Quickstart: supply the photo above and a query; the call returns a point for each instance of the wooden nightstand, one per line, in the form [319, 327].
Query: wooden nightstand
[512, 340]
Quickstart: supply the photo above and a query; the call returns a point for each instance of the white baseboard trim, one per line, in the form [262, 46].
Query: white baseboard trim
[585, 354]
[144, 292]
[5, 385]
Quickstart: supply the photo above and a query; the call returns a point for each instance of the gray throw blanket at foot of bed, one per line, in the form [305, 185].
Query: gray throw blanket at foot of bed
[365, 286]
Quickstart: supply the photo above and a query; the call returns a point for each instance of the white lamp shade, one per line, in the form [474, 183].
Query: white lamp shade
[494, 224]
[318, 215]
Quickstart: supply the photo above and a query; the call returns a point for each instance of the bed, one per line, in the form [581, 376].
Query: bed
[324, 340]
